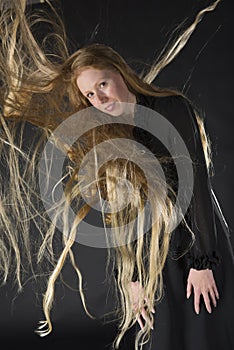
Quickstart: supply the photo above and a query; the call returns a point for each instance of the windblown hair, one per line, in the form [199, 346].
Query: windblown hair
[39, 88]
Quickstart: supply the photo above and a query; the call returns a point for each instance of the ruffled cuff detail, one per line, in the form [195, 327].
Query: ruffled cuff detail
[209, 261]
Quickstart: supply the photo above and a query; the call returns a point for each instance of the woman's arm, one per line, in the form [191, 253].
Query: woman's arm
[203, 256]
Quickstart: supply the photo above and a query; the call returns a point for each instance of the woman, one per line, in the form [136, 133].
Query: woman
[97, 76]
[107, 90]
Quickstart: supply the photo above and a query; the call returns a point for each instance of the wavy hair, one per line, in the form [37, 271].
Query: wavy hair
[38, 86]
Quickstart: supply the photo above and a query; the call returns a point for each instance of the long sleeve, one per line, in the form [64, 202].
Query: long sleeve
[200, 214]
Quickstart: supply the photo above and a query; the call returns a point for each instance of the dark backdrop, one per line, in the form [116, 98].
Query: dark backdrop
[204, 71]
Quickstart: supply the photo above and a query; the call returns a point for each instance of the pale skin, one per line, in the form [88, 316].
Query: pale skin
[105, 89]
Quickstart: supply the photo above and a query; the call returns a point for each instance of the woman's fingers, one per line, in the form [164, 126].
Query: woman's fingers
[153, 309]
[216, 291]
[213, 297]
[189, 289]
[197, 302]
[138, 317]
[206, 298]
[145, 317]
[140, 314]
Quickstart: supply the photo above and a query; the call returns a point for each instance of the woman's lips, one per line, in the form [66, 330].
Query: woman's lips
[110, 107]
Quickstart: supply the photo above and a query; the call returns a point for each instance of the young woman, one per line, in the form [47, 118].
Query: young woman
[173, 264]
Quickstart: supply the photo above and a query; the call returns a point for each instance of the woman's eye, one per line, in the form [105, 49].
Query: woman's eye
[89, 95]
[103, 83]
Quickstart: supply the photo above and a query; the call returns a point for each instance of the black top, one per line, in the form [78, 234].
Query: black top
[178, 112]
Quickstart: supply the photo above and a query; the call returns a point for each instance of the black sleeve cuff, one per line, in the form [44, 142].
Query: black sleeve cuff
[209, 261]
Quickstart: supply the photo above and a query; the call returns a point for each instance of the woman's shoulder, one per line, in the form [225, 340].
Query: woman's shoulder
[174, 107]
[164, 102]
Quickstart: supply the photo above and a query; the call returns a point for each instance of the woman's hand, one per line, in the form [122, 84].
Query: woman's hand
[136, 289]
[203, 284]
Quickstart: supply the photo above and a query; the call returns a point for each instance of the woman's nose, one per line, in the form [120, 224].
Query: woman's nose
[102, 97]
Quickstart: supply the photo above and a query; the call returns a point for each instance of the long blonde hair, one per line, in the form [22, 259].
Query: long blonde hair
[40, 89]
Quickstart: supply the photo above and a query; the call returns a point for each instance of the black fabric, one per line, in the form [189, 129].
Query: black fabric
[176, 325]
[201, 212]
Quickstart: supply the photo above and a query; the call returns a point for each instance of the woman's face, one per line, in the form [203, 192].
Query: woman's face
[105, 89]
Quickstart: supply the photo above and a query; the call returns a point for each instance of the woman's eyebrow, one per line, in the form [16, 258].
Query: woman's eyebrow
[98, 82]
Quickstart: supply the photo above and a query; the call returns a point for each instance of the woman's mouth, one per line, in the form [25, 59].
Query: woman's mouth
[110, 107]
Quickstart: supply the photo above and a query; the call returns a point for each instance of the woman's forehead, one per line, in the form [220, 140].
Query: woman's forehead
[92, 75]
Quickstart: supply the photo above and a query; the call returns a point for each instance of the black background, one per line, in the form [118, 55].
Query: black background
[204, 71]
